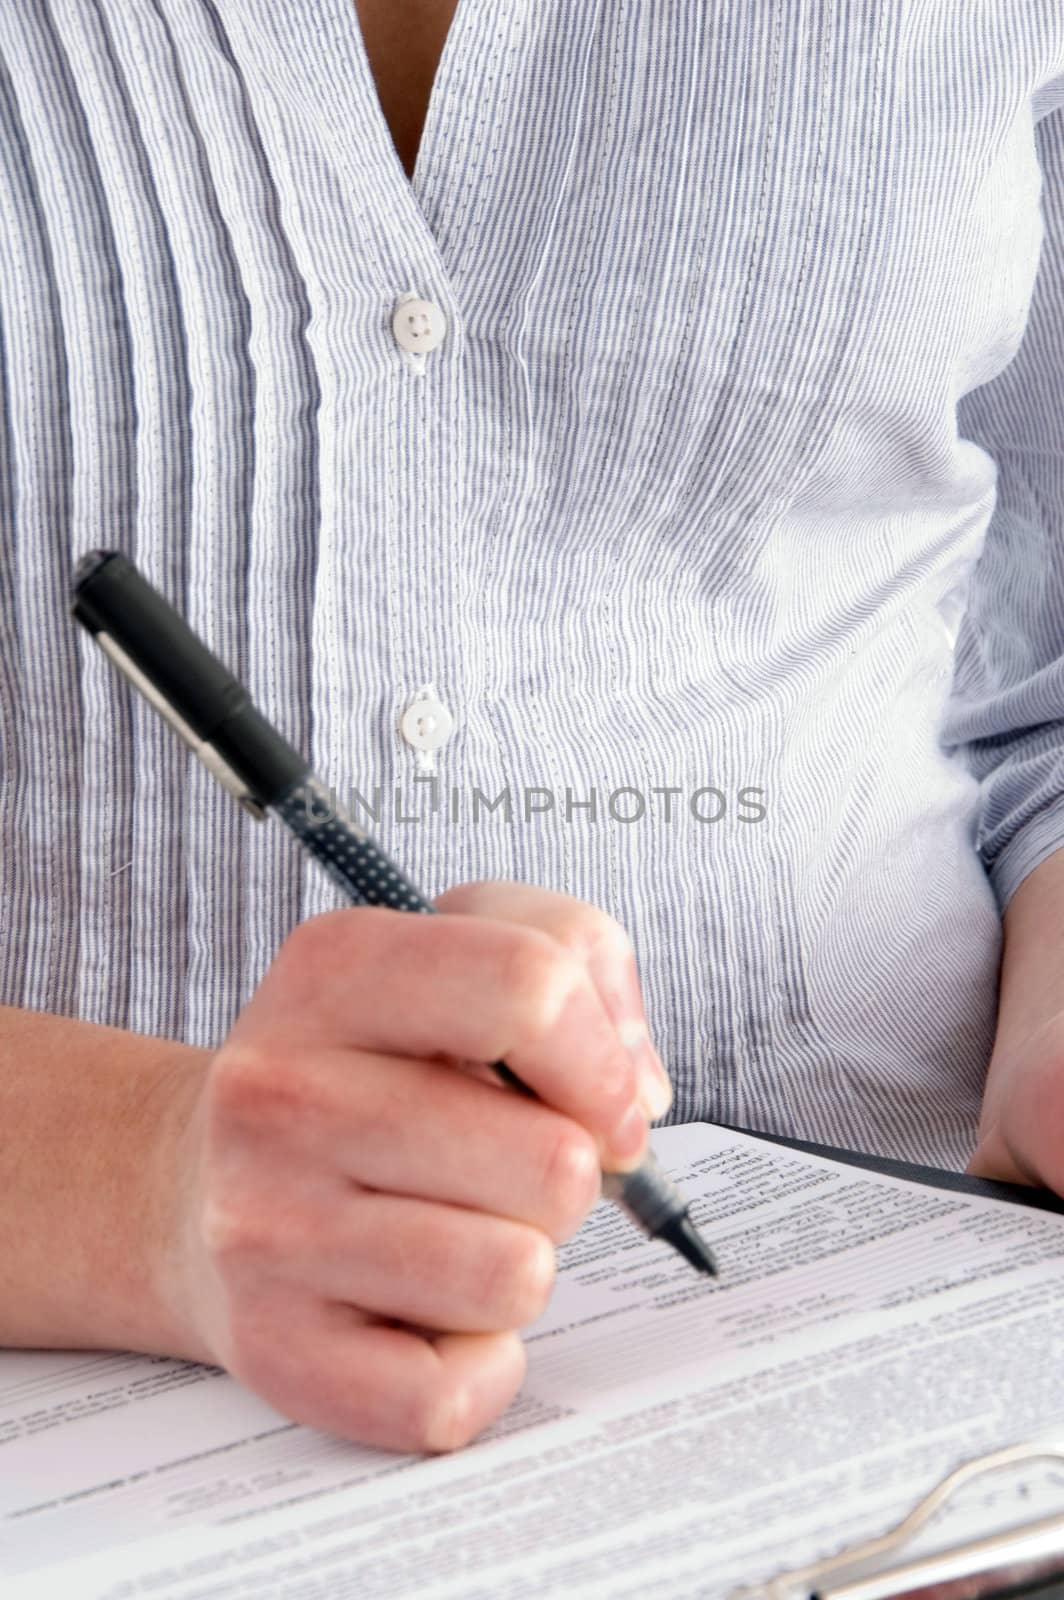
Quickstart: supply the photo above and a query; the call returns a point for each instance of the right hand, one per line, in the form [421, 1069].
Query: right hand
[365, 1217]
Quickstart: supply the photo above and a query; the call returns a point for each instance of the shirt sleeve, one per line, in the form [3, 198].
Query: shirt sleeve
[1007, 705]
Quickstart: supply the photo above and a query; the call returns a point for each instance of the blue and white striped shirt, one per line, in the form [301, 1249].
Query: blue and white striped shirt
[754, 346]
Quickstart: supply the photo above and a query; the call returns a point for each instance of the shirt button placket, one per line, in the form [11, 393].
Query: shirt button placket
[419, 327]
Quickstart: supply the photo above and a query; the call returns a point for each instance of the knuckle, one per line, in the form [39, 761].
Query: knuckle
[614, 1084]
[464, 899]
[231, 1230]
[571, 1179]
[237, 1076]
[590, 928]
[538, 1273]
[307, 946]
[342, 947]
[250, 1085]
[518, 1277]
[442, 1419]
[537, 975]
[319, 948]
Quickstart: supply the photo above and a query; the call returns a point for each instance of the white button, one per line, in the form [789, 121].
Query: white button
[418, 325]
[426, 724]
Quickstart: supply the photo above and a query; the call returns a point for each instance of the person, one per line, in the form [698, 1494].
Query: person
[631, 438]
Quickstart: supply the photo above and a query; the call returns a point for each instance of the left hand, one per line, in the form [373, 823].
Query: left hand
[1021, 1130]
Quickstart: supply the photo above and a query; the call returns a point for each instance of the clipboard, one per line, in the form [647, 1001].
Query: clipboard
[936, 1177]
[1025, 1562]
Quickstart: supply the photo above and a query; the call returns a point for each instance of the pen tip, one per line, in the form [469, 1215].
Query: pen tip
[682, 1234]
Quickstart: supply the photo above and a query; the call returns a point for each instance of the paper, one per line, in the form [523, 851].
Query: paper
[674, 1433]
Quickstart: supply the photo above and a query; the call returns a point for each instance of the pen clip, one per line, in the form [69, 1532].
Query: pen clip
[218, 768]
[855, 1571]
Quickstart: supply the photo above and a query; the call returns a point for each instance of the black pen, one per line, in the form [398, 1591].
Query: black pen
[152, 645]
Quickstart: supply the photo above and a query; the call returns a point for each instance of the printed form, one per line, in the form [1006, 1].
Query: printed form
[866, 1336]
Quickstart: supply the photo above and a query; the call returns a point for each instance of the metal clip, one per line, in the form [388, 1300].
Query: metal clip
[966, 1571]
[215, 764]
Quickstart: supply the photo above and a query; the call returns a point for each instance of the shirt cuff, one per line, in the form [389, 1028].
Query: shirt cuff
[1036, 840]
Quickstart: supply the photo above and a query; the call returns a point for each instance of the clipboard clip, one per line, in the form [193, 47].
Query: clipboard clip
[1021, 1555]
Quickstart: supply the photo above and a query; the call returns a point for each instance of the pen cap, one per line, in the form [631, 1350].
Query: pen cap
[114, 601]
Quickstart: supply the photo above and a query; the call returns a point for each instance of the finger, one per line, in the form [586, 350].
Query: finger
[439, 1266]
[596, 939]
[397, 983]
[421, 1129]
[381, 1386]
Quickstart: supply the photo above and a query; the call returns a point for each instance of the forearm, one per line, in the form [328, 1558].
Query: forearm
[87, 1133]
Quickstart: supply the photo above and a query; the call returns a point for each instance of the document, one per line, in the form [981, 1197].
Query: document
[675, 1434]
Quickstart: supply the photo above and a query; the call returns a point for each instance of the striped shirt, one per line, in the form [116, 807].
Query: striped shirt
[726, 520]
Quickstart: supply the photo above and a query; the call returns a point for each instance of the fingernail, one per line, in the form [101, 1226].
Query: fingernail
[655, 1090]
[626, 1142]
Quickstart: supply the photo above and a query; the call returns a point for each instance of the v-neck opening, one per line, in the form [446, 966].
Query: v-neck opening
[437, 92]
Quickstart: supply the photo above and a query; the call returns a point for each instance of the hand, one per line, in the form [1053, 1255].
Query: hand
[1022, 1121]
[1023, 1114]
[365, 1215]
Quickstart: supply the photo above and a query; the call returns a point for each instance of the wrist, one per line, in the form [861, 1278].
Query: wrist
[90, 1171]
[169, 1287]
